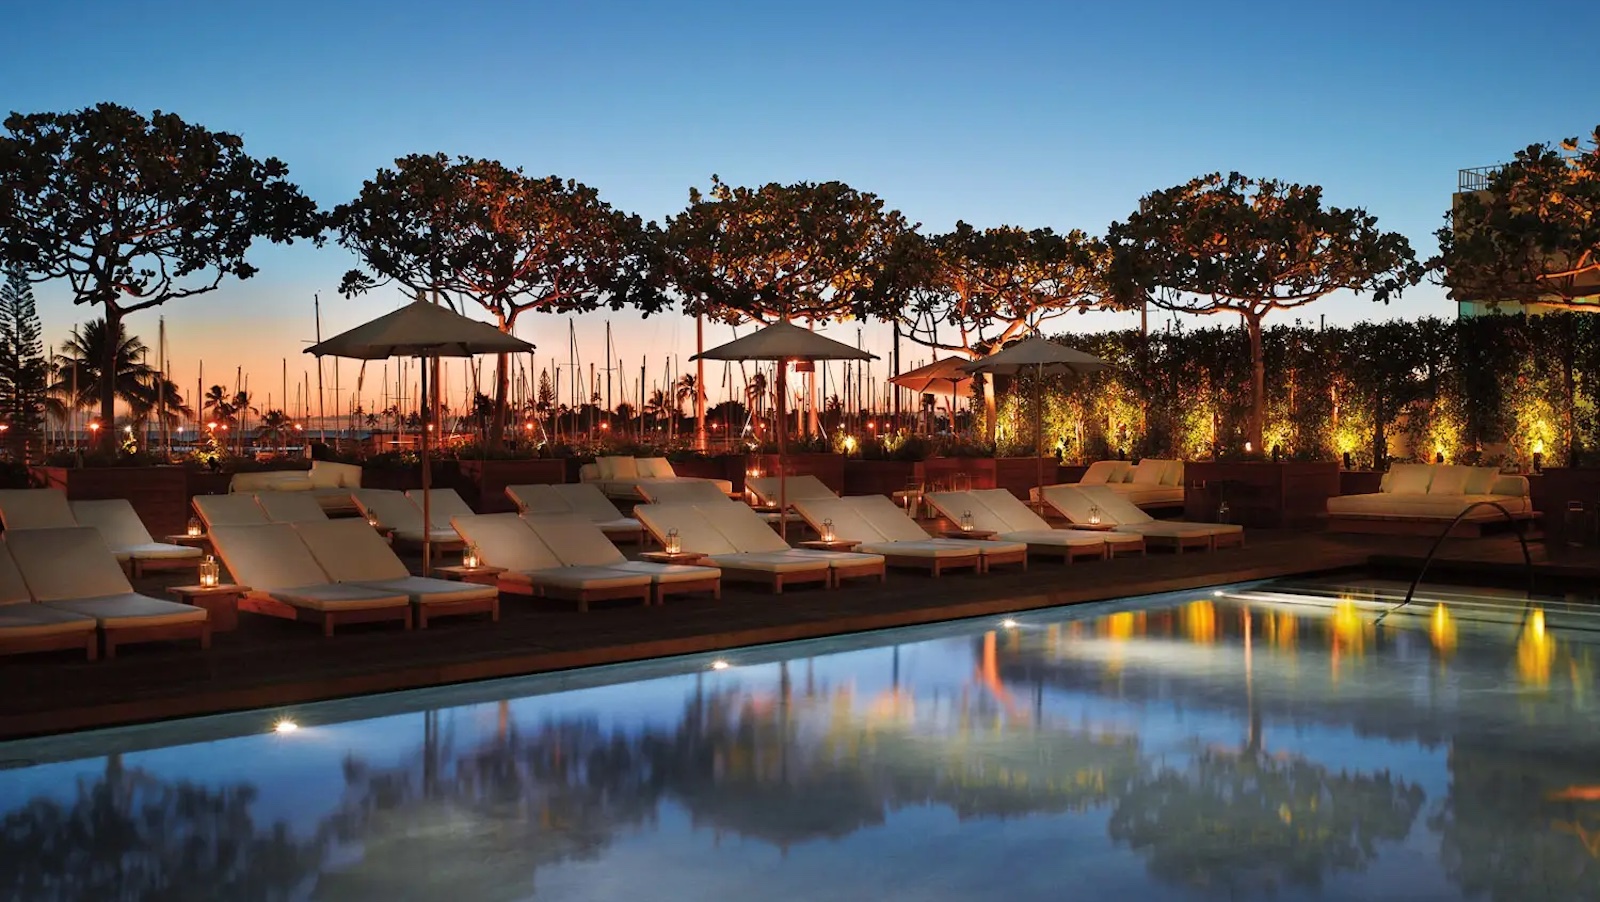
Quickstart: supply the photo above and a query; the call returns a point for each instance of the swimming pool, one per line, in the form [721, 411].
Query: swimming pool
[1262, 742]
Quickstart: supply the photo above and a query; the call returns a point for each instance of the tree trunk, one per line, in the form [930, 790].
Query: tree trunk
[1258, 381]
[991, 409]
[108, 380]
[502, 386]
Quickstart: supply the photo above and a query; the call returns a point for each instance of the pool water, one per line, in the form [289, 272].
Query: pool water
[1264, 742]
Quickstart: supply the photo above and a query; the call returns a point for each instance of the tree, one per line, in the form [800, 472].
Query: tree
[274, 428]
[136, 384]
[134, 212]
[1532, 234]
[23, 368]
[990, 287]
[812, 251]
[1232, 244]
[476, 229]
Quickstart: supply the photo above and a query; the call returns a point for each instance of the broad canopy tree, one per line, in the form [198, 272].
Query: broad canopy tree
[988, 287]
[476, 229]
[133, 212]
[1246, 246]
[1532, 235]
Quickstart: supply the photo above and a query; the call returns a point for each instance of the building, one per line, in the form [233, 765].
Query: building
[1586, 288]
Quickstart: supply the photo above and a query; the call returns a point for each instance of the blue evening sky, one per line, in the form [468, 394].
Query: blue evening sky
[1031, 113]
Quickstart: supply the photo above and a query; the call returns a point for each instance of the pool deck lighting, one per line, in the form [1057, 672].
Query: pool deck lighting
[1008, 623]
[720, 664]
[285, 725]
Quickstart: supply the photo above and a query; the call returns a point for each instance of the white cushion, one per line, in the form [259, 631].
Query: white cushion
[1481, 480]
[1063, 538]
[1174, 474]
[329, 475]
[796, 488]
[584, 578]
[433, 536]
[887, 518]
[1113, 506]
[770, 562]
[339, 597]
[695, 531]
[425, 591]
[350, 551]
[156, 551]
[1422, 506]
[65, 564]
[13, 589]
[666, 573]
[575, 541]
[587, 500]
[742, 526]
[504, 540]
[35, 509]
[1409, 479]
[130, 609]
[1450, 480]
[654, 468]
[115, 518]
[618, 468]
[588, 472]
[392, 509]
[679, 491]
[1072, 502]
[1148, 495]
[1103, 471]
[1010, 510]
[290, 507]
[229, 510]
[443, 504]
[540, 499]
[20, 620]
[929, 550]
[1149, 472]
[269, 556]
[847, 522]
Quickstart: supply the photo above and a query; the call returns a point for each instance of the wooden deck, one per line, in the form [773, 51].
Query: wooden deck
[268, 662]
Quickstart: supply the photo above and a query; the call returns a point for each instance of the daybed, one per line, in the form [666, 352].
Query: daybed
[1420, 497]
[620, 477]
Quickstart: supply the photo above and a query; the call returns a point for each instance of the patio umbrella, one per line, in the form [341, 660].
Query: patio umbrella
[784, 343]
[1041, 357]
[942, 375]
[429, 331]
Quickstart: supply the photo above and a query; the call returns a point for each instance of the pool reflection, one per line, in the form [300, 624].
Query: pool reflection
[1217, 747]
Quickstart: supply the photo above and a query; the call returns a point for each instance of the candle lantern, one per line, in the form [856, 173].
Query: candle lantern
[674, 542]
[372, 520]
[1094, 515]
[470, 558]
[827, 531]
[210, 572]
[195, 529]
[966, 521]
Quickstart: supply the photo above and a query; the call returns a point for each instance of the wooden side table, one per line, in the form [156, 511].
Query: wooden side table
[188, 541]
[687, 558]
[1093, 527]
[830, 544]
[479, 576]
[221, 603]
[972, 534]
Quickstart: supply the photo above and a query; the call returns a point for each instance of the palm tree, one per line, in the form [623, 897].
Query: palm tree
[657, 406]
[755, 393]
[274, 428]
[139, 386]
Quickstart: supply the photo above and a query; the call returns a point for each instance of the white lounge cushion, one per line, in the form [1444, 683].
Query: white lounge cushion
[13, 588]
[654, 468]
[988, 546]
[1061, 538]
[1422, 506]
[840, 559]
[695, 532]
[588, 472]
[350, 551]
[1114, 507]
[291, 507]
[955, 505]
[22, 620]
[587, 500]
[1149, 495]
[539, 499]
[579, 578]
[796, 488]
[426, 591]
[339, 597]
[576, 542]
[887, 518]
[679, 491]
[615, 468]
[1449, 480]
[1178, 529]
[434, 536]
[1149, 471]
[229, 510]
[442, 505]
[35, 509]
[67, 564]
[157, 551]
[1481, 482]
[769, 562]
[620, 524]
[742, 526]
[1010, 509]
[130, 609]
[951, 550]
[1074, 503]
[666, 573]
[1104, 471]
[392, 509]
[268, 557]
[505, 540]
[119, 524]
[1174, 474]
[1408, 479]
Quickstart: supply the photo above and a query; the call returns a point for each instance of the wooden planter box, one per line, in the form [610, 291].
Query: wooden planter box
[1360, 482]
[160, 495]
[885, 477]
[1289, 494]
[1554, 490]
[721, 466]
[400, 479]
[827, 467]
[1019, 475]
[482, 483]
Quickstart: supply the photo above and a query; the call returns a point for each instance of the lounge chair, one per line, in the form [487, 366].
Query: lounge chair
[579, 543]
[119, 524]
[998, 511]
[73, 570]
[800, 488]
[690, 491]
[229, 510]
[1076, 504]
[1151, 483]
[443, 504]
[351, 552]
[291, 507]
[623, 477]
[35, 509]
[586, 501]
[743, 527]
[285, 580]
[396, 513]
[29, 627]
[531, 568]
[697, 534]
[901, 541]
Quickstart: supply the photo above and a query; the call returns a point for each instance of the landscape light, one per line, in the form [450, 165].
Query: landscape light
[720, 664]
[285, 725]
[1008, 623]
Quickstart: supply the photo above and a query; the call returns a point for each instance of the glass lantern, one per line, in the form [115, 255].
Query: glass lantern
[674, 542]
[1094, 515]
[210, 572]
[372, 520]
[966, 521]
[828, 534]
[470, 558]
[195, 528]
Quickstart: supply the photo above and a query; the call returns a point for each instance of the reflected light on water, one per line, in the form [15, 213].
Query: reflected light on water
[1535, 652]
[1442, 630]
[1200, 621]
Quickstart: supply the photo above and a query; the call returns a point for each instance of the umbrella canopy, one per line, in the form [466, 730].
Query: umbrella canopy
[784, 341]
[1039, 355]
[420, 329]
[944, 375]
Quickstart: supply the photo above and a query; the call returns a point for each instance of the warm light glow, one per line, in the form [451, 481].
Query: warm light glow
[527, 427]
[1442, 630]
[285, 725]
[720, 664]
[1248, 447]
[372, 520]
[966, 521]
[470, 558]
[210, 572]
[674, 543]
[196, 528]
[1536, 651]
[1094, 517]
[850, 444]
[1349, 629]
[605, 427]
[128, 430]
[1118, 626]
[1200, 621]
[871, 425]
[211, 426]
[827, 531]
[1218, 593]
[1008, 623]
[94, 427]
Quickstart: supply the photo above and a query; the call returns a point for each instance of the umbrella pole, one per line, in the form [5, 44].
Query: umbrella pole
[783, 428]
[1038, 433]
[427, 508]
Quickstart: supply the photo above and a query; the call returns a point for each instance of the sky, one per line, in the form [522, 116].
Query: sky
[1059, 114]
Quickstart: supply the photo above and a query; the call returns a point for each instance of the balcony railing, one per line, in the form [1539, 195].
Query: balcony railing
[1475, 179]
